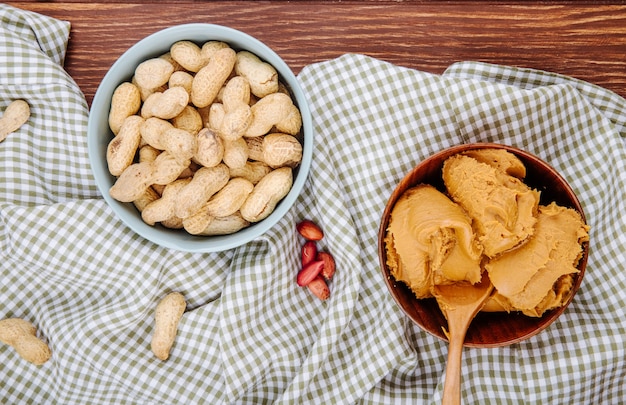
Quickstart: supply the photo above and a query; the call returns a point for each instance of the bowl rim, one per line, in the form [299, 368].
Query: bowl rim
[158, 43]
[391, 284]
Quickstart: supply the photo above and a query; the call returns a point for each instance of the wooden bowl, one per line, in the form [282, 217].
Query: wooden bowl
[487, 329]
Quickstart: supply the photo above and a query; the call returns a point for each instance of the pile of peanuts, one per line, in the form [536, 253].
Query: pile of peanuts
[206, 139]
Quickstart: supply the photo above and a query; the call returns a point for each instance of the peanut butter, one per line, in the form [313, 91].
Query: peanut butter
[489, 220]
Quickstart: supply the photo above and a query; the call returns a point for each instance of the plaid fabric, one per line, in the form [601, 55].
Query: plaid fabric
[250, 335]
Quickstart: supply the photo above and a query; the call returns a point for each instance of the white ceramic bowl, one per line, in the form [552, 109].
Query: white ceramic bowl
[99, 134]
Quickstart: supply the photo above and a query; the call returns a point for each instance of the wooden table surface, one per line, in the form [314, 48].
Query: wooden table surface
[586, 40]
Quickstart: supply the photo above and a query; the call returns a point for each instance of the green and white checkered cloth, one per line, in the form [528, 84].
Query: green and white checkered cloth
[250, 335]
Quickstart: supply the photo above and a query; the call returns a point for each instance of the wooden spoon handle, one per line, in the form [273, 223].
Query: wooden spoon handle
[452, 384]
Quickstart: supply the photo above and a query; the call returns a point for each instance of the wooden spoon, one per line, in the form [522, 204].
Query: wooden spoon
[459, 302]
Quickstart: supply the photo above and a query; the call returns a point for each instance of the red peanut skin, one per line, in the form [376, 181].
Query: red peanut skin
[329, 264]
[309, 272]
[309, 252]
[310, 230]
[319, 288]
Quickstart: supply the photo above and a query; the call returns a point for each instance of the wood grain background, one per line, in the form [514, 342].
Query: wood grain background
[586, 40]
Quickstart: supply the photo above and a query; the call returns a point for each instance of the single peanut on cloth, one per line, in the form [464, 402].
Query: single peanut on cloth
[15, 115]
[22, 336]
[168, 313]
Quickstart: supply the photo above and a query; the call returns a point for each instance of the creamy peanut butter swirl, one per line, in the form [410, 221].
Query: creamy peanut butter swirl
[432, 241]
[489, 220]
[503, 208]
